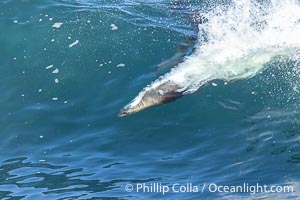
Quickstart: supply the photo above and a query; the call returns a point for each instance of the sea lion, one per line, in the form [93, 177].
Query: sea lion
[167, 91]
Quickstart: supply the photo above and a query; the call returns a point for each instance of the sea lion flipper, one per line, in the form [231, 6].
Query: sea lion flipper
[185, 48]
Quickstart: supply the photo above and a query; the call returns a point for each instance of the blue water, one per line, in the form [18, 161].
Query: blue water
[75, 146]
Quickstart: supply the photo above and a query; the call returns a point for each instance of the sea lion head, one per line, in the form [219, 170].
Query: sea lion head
[163, 93]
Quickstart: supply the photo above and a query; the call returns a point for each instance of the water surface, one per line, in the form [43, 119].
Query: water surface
[62, 139]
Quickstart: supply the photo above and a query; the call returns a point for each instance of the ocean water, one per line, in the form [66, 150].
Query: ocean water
[62, 88]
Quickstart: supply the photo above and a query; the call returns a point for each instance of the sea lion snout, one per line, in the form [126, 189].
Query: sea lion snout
[123, 113]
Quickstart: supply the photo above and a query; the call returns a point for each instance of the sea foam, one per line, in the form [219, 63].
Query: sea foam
[236, 43]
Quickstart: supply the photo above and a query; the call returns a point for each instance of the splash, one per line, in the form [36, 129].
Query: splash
[236, 43]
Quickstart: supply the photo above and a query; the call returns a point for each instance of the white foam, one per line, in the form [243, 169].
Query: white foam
[236, 43]
[121, 65]
[56, 71]
[74, 43]
[114, 27]
[49, 67]
[57, 25]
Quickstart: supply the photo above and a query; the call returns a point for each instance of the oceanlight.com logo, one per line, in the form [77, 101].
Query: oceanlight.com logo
[212, 188]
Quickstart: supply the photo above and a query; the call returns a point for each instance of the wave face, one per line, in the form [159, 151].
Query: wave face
[61, 138]
[236, 43]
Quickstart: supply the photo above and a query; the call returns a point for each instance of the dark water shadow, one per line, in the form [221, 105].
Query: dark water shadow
[18, 175]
